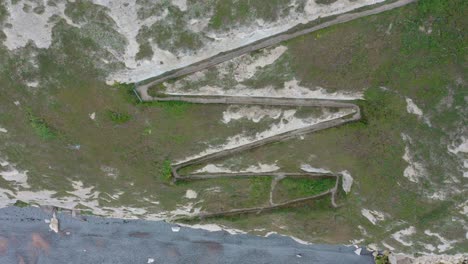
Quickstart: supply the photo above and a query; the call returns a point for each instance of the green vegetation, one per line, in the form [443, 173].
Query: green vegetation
[293, 188]
[117, 117]
[275, 74]
[128, 93]
[3, 13]
[408, 45]
[147, 131]
[166, 171]
[84, 11]
[170, 34]
[151, 8]
[96, 24]
[259, 188]
[228, 14]
[235, 193]
[20, 203]
[157, 90]
[397, 61]
[123, 86]
[431, 45]
[175, 109]
[40, 127]
[382, 259]
[40, 9]
[145, 51]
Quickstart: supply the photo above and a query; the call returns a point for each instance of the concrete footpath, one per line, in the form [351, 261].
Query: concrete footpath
[25, 237]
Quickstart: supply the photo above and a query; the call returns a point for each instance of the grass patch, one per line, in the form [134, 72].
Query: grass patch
[172, 33]
[157, 90]
[125, 86]
[173, 108]
[21, 204]
[3, 11]
[259, 188]
[128, 92]
[40, 127]
[382, 259]
[145, 51]
[229, 13]
[147, 131]
[83, 11]
[166, 171]
[293, 188]
[118, 117]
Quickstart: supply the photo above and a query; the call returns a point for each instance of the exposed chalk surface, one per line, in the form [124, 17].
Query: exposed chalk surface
[463, 147]
[260, 167]
[289, 122]
[412, 108]
[191, 194]
[290, 89]
[415, 170]
[128, 25]
[308, 168]
[29, 26]
[347, 181]
[372, 215]
[402, 236]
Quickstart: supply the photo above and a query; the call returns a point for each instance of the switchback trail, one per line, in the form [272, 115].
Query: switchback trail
[142, 91]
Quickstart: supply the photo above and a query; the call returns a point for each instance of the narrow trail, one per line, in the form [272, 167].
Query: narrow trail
[264, 43]
[142, 92]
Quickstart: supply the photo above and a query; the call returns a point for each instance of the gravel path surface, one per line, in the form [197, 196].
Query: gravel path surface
[26, 238]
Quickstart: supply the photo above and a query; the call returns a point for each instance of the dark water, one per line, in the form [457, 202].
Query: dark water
[26, 238]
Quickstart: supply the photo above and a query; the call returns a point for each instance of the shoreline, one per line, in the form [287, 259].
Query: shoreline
[25, 236]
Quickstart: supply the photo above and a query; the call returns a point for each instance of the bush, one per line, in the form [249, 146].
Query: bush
[117, 117]
[166, 170]
[40, 127]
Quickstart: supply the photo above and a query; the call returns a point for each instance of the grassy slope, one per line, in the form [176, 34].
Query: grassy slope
[408, 62]
[135, 140]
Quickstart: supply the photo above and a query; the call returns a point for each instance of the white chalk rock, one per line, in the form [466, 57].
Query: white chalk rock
[191, 194]
[54, 224]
